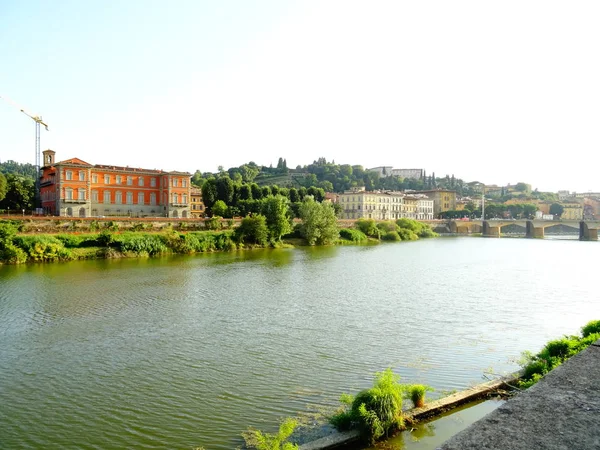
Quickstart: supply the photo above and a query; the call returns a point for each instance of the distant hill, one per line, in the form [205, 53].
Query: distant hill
[13, 167]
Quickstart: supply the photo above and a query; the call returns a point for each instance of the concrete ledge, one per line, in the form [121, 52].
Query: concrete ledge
[561, 411]
[414, 415]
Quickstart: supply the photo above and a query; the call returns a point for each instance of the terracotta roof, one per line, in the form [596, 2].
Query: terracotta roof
[75, 161]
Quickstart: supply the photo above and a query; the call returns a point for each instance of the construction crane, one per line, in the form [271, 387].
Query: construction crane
[38, 121]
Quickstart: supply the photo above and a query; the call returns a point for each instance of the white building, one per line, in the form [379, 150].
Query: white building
[388, 171]
[385, 205]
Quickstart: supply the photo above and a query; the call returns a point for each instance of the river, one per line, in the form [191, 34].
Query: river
[186, 351]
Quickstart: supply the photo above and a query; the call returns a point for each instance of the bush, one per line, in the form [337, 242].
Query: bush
[253, 230]
[105, 238]
[368, 227]
[555, 353]
[416, 393]
[141, 244]
[591, 328]
[407, 235]
[376, 411]
[391, 236]
[11, 254]
[351, 234]
[267, 441]
[70, 240]
[386, 227]
[42, 248]
[214, 223]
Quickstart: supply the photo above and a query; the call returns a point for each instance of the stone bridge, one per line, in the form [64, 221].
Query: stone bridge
[588, 230]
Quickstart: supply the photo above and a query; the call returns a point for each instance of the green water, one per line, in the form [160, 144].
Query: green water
[188, 351]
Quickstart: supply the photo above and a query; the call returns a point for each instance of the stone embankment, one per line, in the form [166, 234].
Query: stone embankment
[433, 408]
[561, 411]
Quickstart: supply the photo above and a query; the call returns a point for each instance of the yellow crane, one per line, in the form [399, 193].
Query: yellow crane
[38, 121]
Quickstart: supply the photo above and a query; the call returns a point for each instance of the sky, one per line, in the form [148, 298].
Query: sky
[498, 92]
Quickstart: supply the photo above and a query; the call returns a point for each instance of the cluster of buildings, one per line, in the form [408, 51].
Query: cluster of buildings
[390, 205]
[389, 171]
[76, 188]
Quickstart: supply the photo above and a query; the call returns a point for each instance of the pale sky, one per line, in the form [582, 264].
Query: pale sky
[498, 92]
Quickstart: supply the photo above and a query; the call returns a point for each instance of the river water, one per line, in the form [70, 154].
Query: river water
[189, 351]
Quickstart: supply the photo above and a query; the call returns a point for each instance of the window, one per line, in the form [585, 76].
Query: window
[81, 175]
[152, 197]
[153, 182]
[118, 179]
[95, 196]
[130, 198]
[81, 193]
[119, 198]
[174, 182]
[94, 178]
[175, 198]
[140, 198]
[129, 181]
[69, 194]
[106, 196]
[140, 181]
[69, 175]
[184, 199]
[106, 179]
[184, 183]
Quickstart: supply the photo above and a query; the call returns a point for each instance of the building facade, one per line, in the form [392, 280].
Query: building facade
[387, 171]
[196, 204]
[76, 188]
[443, 200]
[385, 205]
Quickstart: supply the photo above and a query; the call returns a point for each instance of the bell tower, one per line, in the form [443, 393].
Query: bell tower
[48, 157]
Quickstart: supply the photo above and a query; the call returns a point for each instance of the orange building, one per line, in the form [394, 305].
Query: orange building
[76, 188]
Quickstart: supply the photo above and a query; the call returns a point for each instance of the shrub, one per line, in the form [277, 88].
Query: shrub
[590, 328]
[214, 223]
[43, 248]
[386, 227]
[267, 441]
[351, 234]
[391, 236]
[70, 240]
[407, 235]
[253, 230]
[368, 227]
[416, 393]
[141, 244]
[12, 254]
[105, 238]
[375, 411]
[555, 353]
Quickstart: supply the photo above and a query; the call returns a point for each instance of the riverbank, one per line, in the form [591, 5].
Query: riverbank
[560, 411]
[49, 240]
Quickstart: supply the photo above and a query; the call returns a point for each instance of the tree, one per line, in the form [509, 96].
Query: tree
[219, 208]
[249, 172]
[523, 187]
[3, 186]
[20, 192]
[256, 191]
[209, 192]
[319, 222]
[276, 211]
[224, 189]
[556, 209]
[253, 230]
[529, 210]
[293, 195]
[266, 191]
[245, 192]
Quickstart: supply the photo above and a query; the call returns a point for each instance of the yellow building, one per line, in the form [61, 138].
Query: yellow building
[572, 211]
[443, 200]
[196, 204]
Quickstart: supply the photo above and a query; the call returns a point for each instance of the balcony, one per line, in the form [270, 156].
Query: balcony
[74, 200]
[178, 205]
[46, 183]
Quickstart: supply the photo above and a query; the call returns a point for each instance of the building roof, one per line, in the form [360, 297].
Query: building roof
[73, 161]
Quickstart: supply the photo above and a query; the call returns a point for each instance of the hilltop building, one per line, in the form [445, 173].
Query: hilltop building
[388, 171]
[76, 188]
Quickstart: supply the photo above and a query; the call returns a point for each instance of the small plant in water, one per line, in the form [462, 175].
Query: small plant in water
[416, 393]
[267, 441]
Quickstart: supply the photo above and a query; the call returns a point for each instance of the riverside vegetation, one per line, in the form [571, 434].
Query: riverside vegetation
[556, 352]
[272, 227]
